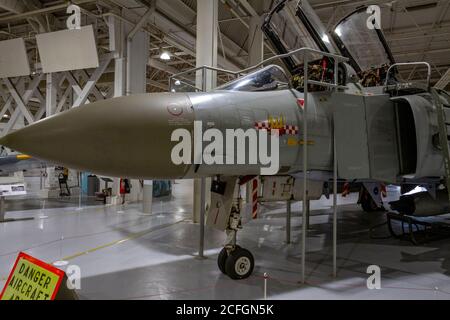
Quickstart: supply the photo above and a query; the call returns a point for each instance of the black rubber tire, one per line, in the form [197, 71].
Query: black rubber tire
[240, 259]
[222, 260]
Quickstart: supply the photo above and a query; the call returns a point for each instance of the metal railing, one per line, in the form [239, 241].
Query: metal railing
[337, 59]
[395, 65]
[306, 52]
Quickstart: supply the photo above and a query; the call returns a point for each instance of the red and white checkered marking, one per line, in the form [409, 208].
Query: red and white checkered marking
[264, 125]
[293, 130]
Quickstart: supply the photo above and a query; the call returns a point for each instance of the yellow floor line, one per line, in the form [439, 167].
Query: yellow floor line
[132, 237]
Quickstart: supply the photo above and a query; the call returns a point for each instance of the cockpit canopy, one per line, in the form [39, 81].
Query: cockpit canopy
[292, 25]
[363, 43]
[270, 78]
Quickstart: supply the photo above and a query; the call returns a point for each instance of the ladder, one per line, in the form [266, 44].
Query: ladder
[443, 135]
[445, 80]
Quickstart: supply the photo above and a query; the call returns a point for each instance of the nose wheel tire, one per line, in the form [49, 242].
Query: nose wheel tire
[239, 264]
[222, 259]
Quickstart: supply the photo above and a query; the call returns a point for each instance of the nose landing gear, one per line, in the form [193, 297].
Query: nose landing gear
[225, 215]
[236, 262]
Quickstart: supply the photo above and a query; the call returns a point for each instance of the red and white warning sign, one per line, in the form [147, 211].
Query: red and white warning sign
[32, 279]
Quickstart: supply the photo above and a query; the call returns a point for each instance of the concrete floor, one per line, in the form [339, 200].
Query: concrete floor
[126, 255]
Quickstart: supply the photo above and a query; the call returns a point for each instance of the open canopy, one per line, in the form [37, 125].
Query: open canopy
[366, 47]
[292, 25]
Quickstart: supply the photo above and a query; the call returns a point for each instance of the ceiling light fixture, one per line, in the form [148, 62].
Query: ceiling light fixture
[165, 56]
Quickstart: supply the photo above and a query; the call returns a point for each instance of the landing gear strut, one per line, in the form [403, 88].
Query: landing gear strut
[236, 262]
[225, 215]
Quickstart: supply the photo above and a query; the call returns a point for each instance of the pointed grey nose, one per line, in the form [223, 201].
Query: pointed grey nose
[122, 137]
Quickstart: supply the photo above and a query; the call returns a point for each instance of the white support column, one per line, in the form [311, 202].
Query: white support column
[207, 37]
[131, 55]
[51, 97]
[52, 84]
[147, 201]
[137, 56]
[120, 73]
[116, 45]
[255, 41]
[137, 59]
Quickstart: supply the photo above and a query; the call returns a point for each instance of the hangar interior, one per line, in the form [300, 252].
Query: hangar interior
[139, 239]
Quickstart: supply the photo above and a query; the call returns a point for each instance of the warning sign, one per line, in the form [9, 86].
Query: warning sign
[32, 279]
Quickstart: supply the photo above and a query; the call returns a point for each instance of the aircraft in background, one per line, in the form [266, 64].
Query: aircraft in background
[19, 162]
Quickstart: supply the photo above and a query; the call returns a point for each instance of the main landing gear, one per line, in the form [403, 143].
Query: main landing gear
[370, 197]
[236, 262]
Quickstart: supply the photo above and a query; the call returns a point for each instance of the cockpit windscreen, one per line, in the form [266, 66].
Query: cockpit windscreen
[270, 78]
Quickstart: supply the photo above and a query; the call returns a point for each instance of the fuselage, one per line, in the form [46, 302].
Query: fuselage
[133, 136]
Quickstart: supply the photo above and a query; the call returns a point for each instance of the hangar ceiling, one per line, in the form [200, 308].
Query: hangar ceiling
[417, 30]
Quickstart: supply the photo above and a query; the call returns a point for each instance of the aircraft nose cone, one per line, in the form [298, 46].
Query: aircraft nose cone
[122, 137]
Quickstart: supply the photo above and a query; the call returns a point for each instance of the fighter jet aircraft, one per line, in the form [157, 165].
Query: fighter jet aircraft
[378, 129]
[19, 162]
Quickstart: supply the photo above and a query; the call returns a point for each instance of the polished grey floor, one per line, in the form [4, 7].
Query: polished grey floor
[124, 254]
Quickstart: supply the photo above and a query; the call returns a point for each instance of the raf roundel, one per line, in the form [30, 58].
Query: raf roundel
[175, 110]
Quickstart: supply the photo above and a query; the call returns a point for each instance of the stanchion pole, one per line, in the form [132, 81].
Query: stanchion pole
[335, 210]
[81, 190]
[266, 277]
[202, 219]
[288, 221]
[305, 168]
[2, 209]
